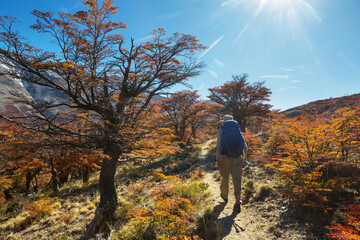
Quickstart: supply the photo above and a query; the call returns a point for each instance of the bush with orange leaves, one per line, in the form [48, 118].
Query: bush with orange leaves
[252, 141]
[167, 210]
[311, 153]
[349, 229]
[40, 208]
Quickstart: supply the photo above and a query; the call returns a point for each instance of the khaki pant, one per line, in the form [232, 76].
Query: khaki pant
[233, 165]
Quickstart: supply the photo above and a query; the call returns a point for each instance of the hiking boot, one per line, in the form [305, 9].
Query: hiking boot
[237, 208]
[224, 198]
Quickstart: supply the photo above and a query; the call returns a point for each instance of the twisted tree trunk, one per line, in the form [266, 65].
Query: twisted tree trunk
[108, 198]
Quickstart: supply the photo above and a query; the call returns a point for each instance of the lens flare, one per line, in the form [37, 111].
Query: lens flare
[212, 73]
[212, 46]
[219, 63]
[236, 2]
[241, 33]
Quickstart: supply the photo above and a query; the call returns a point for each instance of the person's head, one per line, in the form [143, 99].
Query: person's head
[228, 117]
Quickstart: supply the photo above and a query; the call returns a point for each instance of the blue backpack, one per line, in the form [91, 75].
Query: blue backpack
[232, 140]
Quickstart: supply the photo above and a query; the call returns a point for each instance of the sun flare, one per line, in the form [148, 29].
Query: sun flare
[276, 19]
[289, 9]
[280, 3]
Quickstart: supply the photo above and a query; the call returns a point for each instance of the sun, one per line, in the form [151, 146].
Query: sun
[281, 3]
[275, 6]
[289, 9]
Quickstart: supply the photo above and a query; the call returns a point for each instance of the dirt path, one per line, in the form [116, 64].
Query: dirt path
[258, 219]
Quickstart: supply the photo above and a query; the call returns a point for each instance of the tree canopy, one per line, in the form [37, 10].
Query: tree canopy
[184, 109]
[241, 99]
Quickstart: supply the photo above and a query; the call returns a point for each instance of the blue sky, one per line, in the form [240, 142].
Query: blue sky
[305, 50]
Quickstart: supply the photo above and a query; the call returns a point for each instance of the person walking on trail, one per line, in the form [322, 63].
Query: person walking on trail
[230, 155]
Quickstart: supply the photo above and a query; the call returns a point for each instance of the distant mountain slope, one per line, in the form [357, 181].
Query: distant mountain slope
[324, 107]
[9, 87]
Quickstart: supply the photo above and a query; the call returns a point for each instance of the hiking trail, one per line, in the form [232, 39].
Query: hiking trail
[257, 219]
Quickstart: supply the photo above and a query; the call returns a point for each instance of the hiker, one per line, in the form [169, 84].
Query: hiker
[230, 156]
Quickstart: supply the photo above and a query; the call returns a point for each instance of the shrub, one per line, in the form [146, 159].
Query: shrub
[194, 191]
[263, 192]
[248, 189]
[67, 218]
[200, 173]
[40, 208]
[170, 217]
[350, 227]
[208, 225]
[316, 157]
[166, 209]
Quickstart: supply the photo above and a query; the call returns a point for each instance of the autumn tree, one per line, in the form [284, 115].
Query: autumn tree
[30, 157]
[345, 125]
[203, 120]
[19, 160]
[184, 110]
[241, 99]
[155, 138]
[98, 75]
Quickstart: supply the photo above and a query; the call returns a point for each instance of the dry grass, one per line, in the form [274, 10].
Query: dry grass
[66, 219]
[17, 223]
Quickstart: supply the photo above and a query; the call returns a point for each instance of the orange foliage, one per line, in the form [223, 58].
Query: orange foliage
[171, 215]
[40, 208]
[302, 148]
[167, 210]
[66, 218]
[349, 229]
[200, 173]
[186, 115]
[34, 157]
[154, 138]
[252, 142]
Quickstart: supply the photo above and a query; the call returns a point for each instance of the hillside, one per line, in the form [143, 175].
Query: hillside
[9, 108]
[16, 94]
[323, 107]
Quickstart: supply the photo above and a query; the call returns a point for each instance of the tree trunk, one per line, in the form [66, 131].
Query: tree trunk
[176, 128]
[108, 196]
[182, 131]
[7, 194]
[29, 177]
[242, 126]
[54, 178]
[35, 186]
[193, 131]
[85, 175]
[63, 177]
